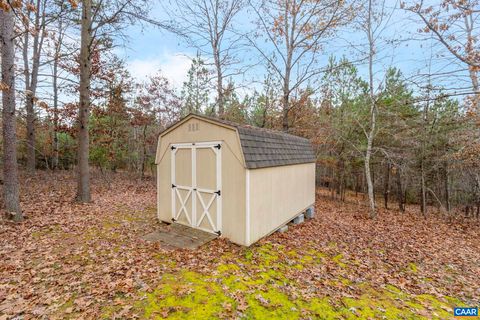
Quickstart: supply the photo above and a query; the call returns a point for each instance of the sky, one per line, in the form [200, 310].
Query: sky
[150, 49]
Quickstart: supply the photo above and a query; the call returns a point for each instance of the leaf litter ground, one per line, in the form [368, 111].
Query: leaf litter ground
[72, 261]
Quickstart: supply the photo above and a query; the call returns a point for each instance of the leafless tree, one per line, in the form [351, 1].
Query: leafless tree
[7, 86]
[31, 67]
[57, 55]
[208, 26]
[296, 30]
[372, 20]
[454, 25]
[83, 178]
[373, 108]
[100, 20]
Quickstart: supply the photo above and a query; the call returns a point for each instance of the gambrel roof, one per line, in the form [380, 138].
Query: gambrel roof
[264, 148]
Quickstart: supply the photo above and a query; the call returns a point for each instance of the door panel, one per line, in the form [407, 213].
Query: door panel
[184, 206]
[207, 211]
[206, 169]
[183, 167]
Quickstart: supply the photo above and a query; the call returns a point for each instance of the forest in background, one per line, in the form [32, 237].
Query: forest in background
[69, 102]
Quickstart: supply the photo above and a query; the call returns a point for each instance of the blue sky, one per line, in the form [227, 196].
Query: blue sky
[152, 49]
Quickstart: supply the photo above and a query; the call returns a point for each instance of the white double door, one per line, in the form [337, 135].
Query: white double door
[197, 185]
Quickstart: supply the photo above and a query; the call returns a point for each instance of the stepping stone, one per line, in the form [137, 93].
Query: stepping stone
[180, 237]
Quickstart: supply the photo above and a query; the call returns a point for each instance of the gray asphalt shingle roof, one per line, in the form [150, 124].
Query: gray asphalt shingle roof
[264, 148]
[268, 148]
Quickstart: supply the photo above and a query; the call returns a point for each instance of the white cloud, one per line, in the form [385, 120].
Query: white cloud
[174, 67]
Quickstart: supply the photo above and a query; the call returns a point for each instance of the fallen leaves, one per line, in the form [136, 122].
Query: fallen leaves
[87, 261]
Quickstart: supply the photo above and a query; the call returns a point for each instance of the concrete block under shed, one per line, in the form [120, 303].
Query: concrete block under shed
[283, 229]
[310, 213]
[299, 219]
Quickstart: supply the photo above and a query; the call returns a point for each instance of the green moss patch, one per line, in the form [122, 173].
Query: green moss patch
[257, 287]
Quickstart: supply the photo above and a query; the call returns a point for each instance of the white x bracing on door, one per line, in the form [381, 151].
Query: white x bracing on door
[197, 184]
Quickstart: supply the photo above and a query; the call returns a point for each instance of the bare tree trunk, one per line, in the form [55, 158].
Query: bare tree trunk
[386, 190]
[469, 25]
[423, 191]
[332, 184]
[10, 167]
[30, 133]
[55, 114]
[30, 143]
[285, 106]
[83, 177]
[31, 79]
[447, 189]
[373, 111]
[400, 194]
[357, 185]
[423, 187]
[218, 66]
[288, 69]
[56, 60]
[144, 152]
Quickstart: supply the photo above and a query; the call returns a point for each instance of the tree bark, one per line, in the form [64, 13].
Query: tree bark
[220, 99]
[423, 192]
[55, 113]
[56, 59]
[144, 151]
[31, 80]
[447, 189]
[289, 38]
[423, 187]
[386, 189]
[471, 69]
[373, 112]
[218, 66]
[28, 101]
[285, 105]
[400, 194]
[10, 167]
[83, 175]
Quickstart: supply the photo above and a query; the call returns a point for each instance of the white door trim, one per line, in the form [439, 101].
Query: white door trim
[194, 191]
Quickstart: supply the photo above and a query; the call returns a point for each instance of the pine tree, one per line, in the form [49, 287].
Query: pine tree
[195, 92]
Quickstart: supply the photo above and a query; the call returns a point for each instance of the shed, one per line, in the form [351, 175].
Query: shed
[235, 180]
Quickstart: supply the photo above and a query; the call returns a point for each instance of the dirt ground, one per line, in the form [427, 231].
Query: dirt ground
[72, 261]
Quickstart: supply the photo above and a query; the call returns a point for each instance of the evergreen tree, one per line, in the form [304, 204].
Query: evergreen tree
[196, 90]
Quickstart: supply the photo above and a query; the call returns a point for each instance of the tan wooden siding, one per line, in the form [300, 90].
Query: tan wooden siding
[278, 194]
[233, 172]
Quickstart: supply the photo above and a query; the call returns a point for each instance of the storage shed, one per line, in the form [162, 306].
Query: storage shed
[235, 180]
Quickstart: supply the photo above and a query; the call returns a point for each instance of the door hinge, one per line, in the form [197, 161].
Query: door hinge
[218, 146]
[173, 186]
[218, 192]
[218, 232]
[173, 148]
